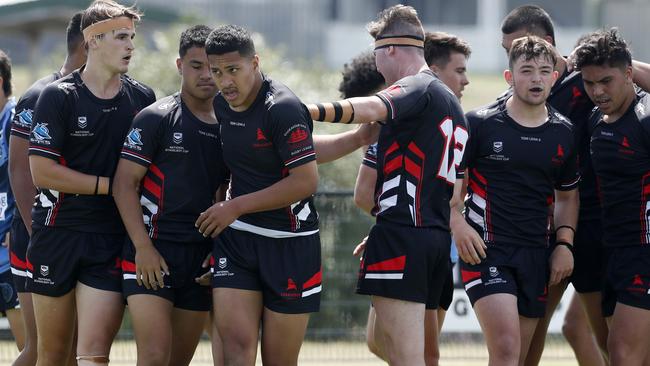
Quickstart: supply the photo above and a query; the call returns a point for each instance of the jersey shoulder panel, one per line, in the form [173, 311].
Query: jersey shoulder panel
[556, 117]
[140, 88]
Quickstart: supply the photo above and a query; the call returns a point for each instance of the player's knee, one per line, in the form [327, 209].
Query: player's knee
[570, 330]
[152, 356]
[432, 357]
[92, 360]
[238, 343]
[505, 348]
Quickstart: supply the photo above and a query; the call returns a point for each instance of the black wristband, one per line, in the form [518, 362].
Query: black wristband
[565, 227]
[566, 244]
[110, 186]
[352, 116]
[96, 184]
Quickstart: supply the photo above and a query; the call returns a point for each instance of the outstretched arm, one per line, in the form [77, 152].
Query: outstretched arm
[352, 110]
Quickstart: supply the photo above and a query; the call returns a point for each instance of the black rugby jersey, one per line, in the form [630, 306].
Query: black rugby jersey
[185, 167]
[22, 122]
[85, 133]
[568, 96]
[260, 146]
[513, 171]
[419, 150]
[620, 152]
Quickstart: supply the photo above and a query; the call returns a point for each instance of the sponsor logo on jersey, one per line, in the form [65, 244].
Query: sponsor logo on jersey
[41, 132]
[177, 137]
[493, 272]
[640, 109]
[269, 101]
[45, 270]
[165, 106]
[66, 86]
[82, 122]
[25, 117]
[134, 138]
[238, 124]
[261, 140]
[559, 155]
[223, 262]
[497, 146]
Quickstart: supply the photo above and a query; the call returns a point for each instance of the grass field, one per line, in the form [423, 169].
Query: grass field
[334, 353]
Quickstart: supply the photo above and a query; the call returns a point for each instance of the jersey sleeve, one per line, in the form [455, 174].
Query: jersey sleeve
[291, 130]
[461, 139]
[569, 176]
[22, 122]
[48, 128]
[472, 123]
[370, 157]
[142, 141]
[404, 99]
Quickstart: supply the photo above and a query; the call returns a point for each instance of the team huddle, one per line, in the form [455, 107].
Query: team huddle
[196, 210]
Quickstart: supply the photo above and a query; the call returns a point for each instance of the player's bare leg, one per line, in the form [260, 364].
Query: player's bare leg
[151, 317]
[527, 327]
[431, 337]
[539, 337]
[210, 328]
[404, 335]
[441, 313]
[99, 316]
[55, 324]
[591, 302]
[237, 314]
[628, 335]
[17, 327]
[27, 356]
[187, 327]
[498, 316]
[375, 336]
[577, 332]
[284, 350]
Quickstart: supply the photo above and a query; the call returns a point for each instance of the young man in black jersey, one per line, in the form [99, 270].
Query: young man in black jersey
[78, 128]
[407, 253]
[521, 150]
[620, 151]
[447, 57]
[570, 99]
[23, 188]
[170, 172]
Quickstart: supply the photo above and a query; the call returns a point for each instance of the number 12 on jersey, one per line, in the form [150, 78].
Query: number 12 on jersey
[456, 137]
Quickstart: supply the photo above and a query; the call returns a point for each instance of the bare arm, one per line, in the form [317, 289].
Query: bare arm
[148, 262]
[565, 218]
[366, 110]
[641, 74]
[470, 245]
[364, 188]
[47, 173]
[301, 182]
[20, 179]
[332, 147]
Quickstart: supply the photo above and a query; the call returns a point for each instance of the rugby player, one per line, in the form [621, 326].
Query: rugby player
[79, 124]
[521, 150]
[170, 171]
[413, 186]
[23, 188]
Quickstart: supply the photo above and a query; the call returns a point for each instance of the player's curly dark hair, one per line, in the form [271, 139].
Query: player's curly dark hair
[73, 33]
[605, 47]
[531, 47]
[438, 47]
[531, 18]
[360, 77]
[195, 36]
[5, 73]
[230, 38]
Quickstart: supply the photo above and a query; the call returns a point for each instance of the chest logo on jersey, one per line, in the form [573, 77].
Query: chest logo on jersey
[237, 124]
[82, 122]
[176, 147]
[260, 140]
[497, 146]
[559, 155]
[625, 147]
[177, 137]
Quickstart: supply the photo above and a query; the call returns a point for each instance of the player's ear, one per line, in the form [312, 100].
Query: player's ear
[628, 74]
[434, 68]
[256, 62]
[555, 75]
[179, 64]
[507, 74]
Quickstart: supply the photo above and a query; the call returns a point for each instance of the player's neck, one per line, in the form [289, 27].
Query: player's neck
[103, 83]
[200, 108]
[409, 65]
[71, 63]
[630, 97]
[525, 114]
